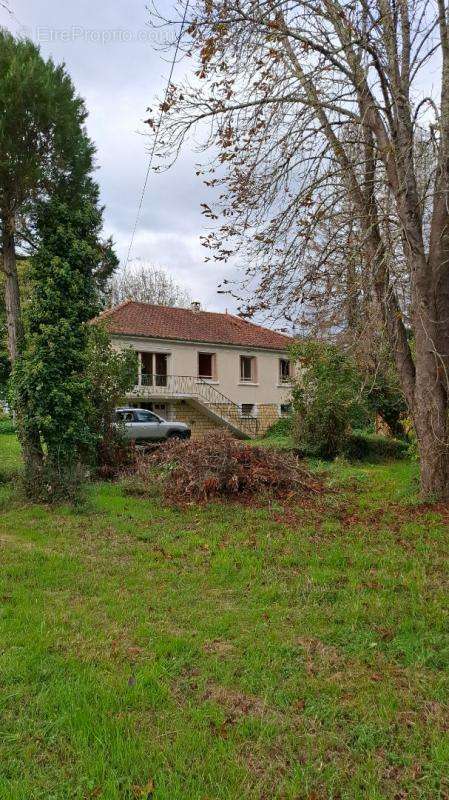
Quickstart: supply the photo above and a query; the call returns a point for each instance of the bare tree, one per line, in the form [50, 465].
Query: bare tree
[315, 108]
[147, 284]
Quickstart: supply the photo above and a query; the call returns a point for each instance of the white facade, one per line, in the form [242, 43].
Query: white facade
[259, 380]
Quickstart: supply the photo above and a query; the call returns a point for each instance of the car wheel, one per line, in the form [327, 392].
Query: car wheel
[175, 435]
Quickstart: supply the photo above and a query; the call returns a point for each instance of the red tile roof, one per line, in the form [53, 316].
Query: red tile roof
[162, 322]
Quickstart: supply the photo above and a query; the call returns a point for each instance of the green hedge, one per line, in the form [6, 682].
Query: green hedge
[282, 427]
[363, 446]
[7, 425]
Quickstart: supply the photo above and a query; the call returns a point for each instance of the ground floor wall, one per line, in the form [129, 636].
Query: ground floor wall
[199, 421]
[267, 415]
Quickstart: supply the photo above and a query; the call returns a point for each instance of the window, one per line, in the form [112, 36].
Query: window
[284, 370]
[285, 409]
[247, 369]
[153, 369]
[248, 410]
[145, 416]
[124, 416]
[206, 366]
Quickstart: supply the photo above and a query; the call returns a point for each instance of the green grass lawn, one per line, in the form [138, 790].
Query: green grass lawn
[9, 456]
[226, 652]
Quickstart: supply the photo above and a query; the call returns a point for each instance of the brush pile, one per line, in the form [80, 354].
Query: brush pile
[221, 467]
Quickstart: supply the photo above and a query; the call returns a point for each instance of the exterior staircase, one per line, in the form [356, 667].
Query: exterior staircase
[202, 394]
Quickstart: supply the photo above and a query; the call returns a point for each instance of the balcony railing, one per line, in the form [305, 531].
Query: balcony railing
[188, 386]
[153, 380]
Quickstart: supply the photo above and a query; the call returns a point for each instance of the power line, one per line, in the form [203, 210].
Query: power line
[156, 135]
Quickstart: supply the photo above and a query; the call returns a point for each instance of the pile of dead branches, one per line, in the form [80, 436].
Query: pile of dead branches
[222, 467]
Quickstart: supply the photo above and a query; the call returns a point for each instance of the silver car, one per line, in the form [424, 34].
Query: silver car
[139, 424]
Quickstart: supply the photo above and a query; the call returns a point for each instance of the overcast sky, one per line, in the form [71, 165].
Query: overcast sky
[111, 56]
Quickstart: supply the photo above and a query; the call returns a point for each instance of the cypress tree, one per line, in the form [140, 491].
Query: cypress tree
[50, 385]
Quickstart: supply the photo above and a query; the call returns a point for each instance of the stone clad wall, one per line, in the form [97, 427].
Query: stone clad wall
[201, 423]
[267, 415]
[198, 421]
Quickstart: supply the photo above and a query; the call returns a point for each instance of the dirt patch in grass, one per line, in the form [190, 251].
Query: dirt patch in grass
[235, 704]
[268, 765]
[219, 647]
[318, 653]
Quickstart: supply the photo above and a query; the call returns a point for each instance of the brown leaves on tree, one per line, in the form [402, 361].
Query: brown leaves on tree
[208, 50]
[207, 211]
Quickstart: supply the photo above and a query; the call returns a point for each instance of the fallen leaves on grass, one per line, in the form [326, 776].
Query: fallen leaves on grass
[145, 792]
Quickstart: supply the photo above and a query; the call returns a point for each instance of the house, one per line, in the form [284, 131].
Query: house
[205, 369]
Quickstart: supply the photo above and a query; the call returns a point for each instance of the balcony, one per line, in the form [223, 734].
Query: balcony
[167, 386]
[199, 391]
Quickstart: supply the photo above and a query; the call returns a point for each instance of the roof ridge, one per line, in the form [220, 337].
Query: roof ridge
[185, 308]
[176, 308]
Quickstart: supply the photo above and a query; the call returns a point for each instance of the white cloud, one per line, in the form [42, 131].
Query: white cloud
[182, 255]
[110, 55]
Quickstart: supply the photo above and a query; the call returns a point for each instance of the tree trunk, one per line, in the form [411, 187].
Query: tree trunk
[431, 416]
[433, 455]
[12, 295]
[27, 432]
